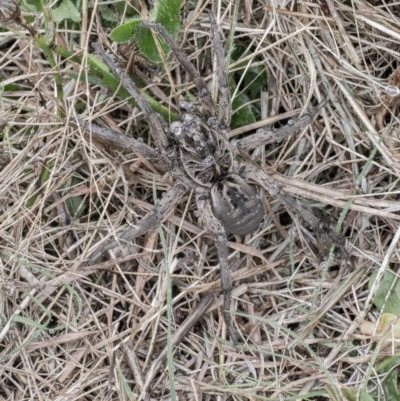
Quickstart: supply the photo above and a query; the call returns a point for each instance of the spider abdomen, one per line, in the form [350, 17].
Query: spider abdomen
[236, 205]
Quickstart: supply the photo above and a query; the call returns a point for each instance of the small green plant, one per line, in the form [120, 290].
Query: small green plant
[166, 13]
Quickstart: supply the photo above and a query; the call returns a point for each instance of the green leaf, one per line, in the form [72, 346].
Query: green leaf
[31, 6]
[147, 46]
[253, 79]
[390, 387]
[387, 364]
[124, 32]
[108, 14]
[392, 305]
[43, 179]
[166, 13]
[256, 80]
[104, 77]
[242, 112]
[66, 10]
[389, 383]
[75, 204]
[356, 395]
[29, 322]
[125, 384]
[11, 88]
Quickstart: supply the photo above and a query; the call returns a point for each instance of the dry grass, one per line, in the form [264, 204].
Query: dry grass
[73, 332]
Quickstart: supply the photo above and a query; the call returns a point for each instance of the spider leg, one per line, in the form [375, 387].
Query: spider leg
[157, 125]
[158, 214]
[199, 82]
[215, 229]
[276, 191]
[263, 137]
[116, 140]
[225, 109]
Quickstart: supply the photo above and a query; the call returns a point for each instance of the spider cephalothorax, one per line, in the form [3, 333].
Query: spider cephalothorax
[197, 154]
[204, 152]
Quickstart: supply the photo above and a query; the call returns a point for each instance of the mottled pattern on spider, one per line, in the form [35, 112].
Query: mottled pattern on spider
[198, 154]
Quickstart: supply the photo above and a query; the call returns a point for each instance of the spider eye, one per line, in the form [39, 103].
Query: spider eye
[176, 128]
[209, 161]
[187, 117]
[203, 92]
[212, 122]
[187, 106]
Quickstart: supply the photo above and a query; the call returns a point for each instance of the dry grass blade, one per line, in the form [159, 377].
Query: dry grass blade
[79, 165]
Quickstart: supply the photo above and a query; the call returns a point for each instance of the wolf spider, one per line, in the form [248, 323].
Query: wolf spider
[197, 153]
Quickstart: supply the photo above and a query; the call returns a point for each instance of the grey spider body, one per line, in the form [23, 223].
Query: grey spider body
[207, 159]
[197, 153]
[236, 205]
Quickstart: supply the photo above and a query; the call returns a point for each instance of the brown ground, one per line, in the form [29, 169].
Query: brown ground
[69, 331]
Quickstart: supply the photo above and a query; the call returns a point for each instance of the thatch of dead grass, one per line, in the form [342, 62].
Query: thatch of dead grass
[69, 331]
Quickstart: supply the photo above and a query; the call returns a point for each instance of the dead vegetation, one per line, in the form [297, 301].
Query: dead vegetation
[69, 331]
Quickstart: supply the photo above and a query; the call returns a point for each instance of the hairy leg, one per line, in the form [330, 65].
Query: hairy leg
[157, 215]
[293, 127]
[274, 189]
[225, 108]
[214, 227]
[116, 140]
[199, 82]
[157, 125]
